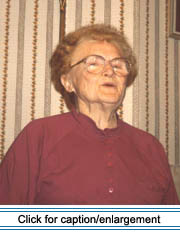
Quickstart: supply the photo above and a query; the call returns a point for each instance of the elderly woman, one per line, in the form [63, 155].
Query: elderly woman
[88, 156]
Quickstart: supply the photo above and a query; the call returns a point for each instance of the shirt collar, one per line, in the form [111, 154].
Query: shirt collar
[90, 128]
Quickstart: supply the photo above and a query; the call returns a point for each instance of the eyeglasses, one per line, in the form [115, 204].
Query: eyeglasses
[95, 64]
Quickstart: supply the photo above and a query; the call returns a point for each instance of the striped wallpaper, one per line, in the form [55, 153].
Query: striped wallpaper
[29, 31]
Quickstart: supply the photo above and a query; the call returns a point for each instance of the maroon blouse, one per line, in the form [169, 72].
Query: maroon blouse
[66, 159]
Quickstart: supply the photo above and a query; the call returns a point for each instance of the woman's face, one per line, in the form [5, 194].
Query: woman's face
[103, 88]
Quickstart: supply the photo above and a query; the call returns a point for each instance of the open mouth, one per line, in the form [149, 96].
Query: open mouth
[108, 84]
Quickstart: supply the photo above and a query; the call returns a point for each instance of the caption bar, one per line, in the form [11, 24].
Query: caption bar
[89, 218]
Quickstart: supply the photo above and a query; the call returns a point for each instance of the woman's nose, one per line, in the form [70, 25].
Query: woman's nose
[108, 70]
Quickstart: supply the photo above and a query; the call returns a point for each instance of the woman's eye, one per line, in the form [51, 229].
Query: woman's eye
[92, 64]
[117, 67]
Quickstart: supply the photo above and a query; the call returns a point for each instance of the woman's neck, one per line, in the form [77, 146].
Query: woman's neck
[104, 116]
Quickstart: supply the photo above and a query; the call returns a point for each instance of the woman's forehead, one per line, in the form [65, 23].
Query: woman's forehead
[88, 47]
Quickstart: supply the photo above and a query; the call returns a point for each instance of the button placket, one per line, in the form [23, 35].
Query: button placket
[110, 165]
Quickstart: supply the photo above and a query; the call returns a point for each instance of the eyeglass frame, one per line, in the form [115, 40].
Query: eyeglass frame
[105, 61]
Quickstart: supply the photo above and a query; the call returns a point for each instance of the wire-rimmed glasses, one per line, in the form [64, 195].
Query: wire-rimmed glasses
[95, 64]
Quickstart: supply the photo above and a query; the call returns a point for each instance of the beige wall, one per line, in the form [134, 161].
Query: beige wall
[29, 31]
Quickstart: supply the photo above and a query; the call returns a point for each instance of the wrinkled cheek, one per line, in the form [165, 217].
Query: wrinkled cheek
[86, 91]
[121, 94]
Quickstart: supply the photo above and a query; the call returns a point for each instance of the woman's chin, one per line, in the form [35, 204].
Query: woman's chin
[111, 95]
[111, 100]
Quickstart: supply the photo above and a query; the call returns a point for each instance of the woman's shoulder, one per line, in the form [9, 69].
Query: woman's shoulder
[52, 121]
[52, 126]
[45, 132]
[139, 135]
[147, 145]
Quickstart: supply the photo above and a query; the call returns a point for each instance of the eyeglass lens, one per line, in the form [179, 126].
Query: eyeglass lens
[95, 64]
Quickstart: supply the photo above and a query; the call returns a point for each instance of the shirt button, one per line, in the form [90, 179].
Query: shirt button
[109, 164]
[111, 190]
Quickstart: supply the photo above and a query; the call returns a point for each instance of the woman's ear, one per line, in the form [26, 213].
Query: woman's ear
[67, 83]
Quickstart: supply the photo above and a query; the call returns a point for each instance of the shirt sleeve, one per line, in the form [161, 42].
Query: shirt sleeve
[19, 170]
[170, 195]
